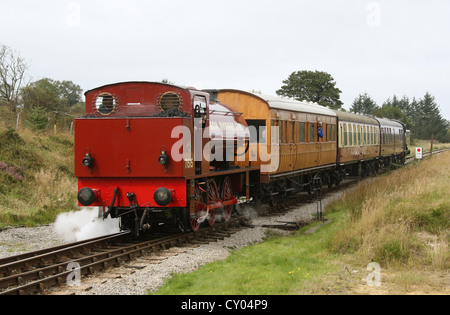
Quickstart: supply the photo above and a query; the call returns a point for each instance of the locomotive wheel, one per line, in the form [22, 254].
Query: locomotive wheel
[227, 194]
[213, 197]
[200, 208]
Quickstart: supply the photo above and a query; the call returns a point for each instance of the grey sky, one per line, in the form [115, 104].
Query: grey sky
[383, 48]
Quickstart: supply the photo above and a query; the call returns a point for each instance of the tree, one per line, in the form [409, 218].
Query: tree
[69, 92]
[37, 119]
[403, 103]
[12, 76]
[364, 104]
[429, 119]
[42, 94]
[395, 113]
[318, 87]
[51, 95]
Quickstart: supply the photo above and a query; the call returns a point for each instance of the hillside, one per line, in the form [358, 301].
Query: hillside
[36, 177]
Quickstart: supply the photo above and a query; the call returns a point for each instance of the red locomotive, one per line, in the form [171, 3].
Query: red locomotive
[153, 153]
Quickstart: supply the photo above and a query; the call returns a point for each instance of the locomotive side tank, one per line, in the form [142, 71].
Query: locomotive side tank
[143, 153]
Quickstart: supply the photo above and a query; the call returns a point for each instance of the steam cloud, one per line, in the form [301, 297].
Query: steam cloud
[84, 224]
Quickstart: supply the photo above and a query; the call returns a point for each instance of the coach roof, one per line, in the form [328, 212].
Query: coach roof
[284, 103]
[351, 117]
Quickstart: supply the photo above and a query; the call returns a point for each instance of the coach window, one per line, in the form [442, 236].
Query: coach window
[359, 128]
[350, 135]
[281, 131]
[257, 130]
[292, 132]
[275, 131]
[371, 135]
[345, 135]
[365, 135]
[302, 133]
[312, 132]
[328, 133]
[286, 132]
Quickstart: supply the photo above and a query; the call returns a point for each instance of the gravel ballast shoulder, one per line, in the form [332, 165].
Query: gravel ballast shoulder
[17, 241]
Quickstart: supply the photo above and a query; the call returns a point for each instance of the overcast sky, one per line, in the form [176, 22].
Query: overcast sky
[383, 48]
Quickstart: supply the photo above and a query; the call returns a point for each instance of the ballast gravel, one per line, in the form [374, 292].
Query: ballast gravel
[149, 279]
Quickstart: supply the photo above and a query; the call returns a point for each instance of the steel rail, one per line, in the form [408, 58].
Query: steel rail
[47, 275]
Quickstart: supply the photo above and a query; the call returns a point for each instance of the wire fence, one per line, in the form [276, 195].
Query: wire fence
[56, 122]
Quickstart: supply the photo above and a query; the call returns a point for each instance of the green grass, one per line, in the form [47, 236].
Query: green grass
[279, 266]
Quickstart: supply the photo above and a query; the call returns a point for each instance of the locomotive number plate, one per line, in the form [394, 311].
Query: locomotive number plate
[189, 163]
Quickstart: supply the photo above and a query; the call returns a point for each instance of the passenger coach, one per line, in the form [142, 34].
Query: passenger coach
[359, 144]
[289, 133]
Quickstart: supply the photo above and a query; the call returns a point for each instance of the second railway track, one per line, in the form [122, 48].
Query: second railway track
[36, 272]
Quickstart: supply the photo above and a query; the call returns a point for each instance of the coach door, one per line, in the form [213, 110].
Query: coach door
[293, 145]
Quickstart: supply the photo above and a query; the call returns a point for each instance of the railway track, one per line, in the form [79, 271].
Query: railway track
[413, 157]
[37, 272]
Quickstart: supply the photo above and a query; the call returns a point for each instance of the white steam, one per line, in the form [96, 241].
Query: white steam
[84, 224]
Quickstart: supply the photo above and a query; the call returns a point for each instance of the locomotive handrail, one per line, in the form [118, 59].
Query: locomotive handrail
[227, 113]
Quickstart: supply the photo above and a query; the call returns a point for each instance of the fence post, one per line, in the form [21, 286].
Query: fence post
[18, 121]
[431, 150]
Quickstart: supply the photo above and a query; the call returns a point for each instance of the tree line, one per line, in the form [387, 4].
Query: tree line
[421, 116]
[39, 103]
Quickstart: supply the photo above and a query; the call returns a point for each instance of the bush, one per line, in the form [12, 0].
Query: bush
[37, 119]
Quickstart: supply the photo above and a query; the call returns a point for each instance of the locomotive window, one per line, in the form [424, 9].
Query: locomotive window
[169, 101]
[105, 104]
